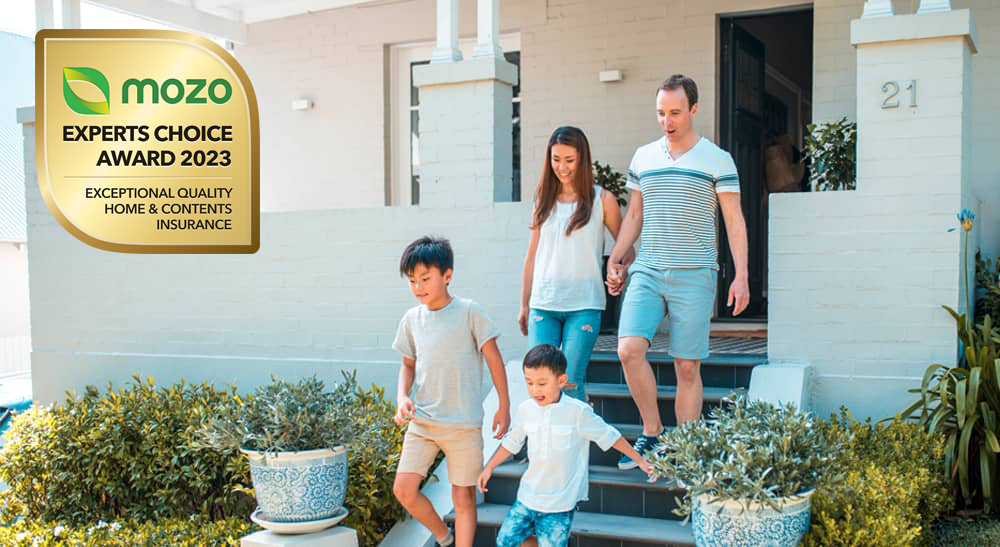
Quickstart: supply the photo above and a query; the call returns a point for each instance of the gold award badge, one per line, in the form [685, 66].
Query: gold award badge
[147, 141]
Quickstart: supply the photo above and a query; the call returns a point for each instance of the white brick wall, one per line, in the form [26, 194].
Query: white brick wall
[857, 279]
[835, 95]
[322, 295]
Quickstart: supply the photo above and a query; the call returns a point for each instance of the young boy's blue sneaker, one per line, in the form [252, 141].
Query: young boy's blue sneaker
[643, 444]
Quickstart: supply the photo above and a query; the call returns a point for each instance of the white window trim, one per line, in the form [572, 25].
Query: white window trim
[400, 57]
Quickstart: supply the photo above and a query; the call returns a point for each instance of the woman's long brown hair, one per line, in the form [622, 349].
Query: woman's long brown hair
[583, 182]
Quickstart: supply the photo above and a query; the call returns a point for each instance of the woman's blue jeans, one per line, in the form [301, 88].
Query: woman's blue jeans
[575, 333]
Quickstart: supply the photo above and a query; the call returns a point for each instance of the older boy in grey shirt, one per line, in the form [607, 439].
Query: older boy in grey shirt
[443, 342]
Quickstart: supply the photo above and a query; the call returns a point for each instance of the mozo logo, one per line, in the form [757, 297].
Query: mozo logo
[173, 91]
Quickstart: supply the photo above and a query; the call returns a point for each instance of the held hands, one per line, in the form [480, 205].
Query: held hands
[404, 411]
[501, 422]
[616, 278]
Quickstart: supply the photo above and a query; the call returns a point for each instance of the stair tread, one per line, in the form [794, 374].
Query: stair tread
[734, 360]
[599, 474]
[607, 526]
[632, 431]
[620, 391]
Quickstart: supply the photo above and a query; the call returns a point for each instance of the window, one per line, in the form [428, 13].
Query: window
[404, 188]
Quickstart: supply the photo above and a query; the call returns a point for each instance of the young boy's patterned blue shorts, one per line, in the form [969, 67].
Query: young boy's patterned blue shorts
[551, 529]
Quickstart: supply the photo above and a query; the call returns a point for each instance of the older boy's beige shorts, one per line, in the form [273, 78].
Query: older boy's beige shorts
[462, 446]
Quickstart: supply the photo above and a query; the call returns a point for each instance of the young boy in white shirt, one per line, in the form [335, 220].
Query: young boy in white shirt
[559, 431]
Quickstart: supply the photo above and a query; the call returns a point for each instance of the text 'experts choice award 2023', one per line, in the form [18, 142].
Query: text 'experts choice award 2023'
[147, 141]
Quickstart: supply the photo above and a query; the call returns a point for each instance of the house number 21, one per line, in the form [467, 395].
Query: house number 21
[890, 91]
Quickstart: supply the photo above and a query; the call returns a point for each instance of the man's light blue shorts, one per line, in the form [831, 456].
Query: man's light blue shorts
[688, 295]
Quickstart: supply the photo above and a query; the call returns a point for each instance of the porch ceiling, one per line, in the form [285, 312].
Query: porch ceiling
[226, 19]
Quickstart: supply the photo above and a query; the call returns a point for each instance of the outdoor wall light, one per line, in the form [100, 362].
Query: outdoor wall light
[610, 76]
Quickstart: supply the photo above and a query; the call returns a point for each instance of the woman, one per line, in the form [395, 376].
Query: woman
[562, 294]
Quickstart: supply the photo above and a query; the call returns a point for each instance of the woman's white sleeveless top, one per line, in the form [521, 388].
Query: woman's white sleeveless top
[567, 274]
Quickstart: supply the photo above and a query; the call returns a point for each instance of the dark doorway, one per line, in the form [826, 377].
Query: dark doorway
[765, 90]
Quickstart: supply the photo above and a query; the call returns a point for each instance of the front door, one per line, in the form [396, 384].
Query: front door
[742, 133]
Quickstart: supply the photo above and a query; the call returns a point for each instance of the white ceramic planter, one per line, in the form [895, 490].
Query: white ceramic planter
[730, 523]
[299, 486]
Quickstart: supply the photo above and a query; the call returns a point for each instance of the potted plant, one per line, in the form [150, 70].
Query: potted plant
[749, 471]
[613, 181]
[295, 436]
[832, 150]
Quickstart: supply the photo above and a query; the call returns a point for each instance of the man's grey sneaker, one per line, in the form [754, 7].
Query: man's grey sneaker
[448, 540]
[642, 445]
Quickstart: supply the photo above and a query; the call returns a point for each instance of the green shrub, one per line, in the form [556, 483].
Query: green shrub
[893, 488]
[987, 288]
[373, 458]
[196, 531]
[833, 149]
[131, 455]
[124, 455]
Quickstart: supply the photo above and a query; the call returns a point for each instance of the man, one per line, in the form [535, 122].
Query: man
[677, 184]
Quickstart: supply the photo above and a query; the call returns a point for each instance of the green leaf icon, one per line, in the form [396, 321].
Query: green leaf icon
[79, 105]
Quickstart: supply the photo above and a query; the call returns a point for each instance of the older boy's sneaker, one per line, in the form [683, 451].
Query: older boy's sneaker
[448, 540]
[642, 445]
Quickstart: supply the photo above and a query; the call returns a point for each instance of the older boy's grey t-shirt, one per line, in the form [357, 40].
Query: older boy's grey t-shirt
[447, 347]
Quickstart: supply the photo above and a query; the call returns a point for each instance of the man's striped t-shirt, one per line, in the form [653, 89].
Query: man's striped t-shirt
[679, 203]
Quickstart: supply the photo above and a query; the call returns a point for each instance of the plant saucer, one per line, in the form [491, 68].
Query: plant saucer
[302, 527]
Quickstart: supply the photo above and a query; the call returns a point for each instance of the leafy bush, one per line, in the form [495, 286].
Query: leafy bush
[197, 531]
[891, 490]
[988, 285]
[373, 460]
[746, 451]
[832, 148]
[286, 417]
[125, 455]
[138, 454]
[613, 181]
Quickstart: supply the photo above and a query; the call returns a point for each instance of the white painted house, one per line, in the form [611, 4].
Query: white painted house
[848, 282]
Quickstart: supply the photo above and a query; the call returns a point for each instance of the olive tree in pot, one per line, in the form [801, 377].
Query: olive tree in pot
[749, 471]
[295, 436]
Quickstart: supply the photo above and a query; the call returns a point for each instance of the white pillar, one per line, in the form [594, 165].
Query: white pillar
[877, 8]
[488, 35]
[934, 6]
[44, 14]
[446, 50]
[465, 132]
[70, 13]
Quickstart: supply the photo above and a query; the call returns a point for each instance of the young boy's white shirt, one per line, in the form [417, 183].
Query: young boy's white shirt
[559, 437]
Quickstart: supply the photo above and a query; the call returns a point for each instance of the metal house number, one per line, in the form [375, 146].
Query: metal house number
[890, 91]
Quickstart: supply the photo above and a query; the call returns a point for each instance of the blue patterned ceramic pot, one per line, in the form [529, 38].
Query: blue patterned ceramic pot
[730, 523]
[299, 486]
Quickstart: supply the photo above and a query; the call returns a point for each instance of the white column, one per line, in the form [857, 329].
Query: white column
[877, 8]
[70, 13]
[447, 50]
[934, 6]
[44, 14]
[488, 35]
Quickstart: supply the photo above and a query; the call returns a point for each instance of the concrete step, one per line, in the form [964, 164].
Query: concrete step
[614, 403]
[612, 491]
[593, 529]
[716, 371]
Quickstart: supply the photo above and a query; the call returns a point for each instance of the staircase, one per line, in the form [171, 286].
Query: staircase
[624, 510]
